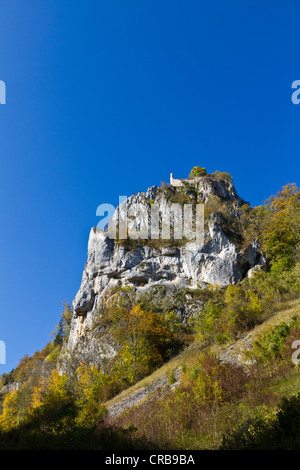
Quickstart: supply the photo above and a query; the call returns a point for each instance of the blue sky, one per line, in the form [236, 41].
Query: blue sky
[106, 98]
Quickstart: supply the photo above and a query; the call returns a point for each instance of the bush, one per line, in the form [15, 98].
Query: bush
[234, 311]
[223, 175]
[270, 345]
[266, 431]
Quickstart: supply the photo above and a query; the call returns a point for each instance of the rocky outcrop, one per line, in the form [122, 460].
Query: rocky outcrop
[157, 388]
[10, 387]
[192, 264]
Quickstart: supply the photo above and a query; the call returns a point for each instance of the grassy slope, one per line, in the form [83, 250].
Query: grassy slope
[183, 358]
[286, 386]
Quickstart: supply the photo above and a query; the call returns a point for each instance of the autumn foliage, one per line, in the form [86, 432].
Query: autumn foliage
[143, 340]
[44, 409]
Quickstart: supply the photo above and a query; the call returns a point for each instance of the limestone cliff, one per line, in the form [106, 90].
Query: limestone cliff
[142, 266]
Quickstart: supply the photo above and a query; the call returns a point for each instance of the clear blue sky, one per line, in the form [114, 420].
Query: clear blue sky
[106, 98]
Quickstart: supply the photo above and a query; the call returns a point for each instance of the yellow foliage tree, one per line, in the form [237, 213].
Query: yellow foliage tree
[10, 411]
[143, 338]
[281, 234]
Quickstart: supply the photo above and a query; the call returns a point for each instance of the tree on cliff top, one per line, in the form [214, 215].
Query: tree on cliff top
[197, 171]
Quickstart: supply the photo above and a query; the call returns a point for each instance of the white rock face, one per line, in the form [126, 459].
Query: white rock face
[109, 264]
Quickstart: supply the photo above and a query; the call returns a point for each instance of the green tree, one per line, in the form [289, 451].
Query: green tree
[143, 338]
[197, 171]
[62, 330]
[281, 234]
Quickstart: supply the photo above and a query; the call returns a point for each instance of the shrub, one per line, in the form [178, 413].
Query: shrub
[270, 345]
[223, 175]
[268, 431]
[206, 323]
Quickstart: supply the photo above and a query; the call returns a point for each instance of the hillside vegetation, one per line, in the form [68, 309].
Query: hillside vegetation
[210, 400]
